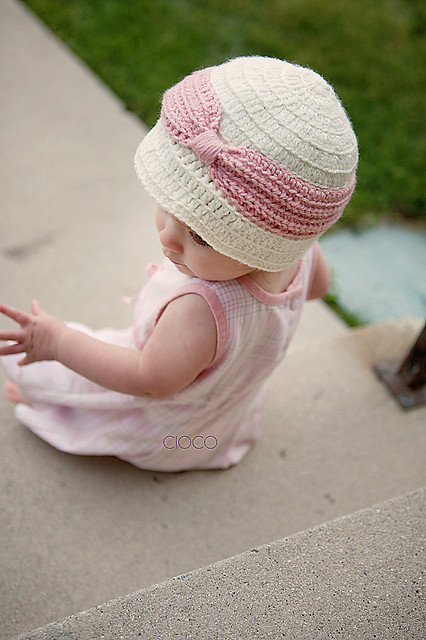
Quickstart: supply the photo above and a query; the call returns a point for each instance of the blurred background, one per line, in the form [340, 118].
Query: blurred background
[372, 52]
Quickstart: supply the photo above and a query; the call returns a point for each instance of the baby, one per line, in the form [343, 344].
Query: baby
[250, 162]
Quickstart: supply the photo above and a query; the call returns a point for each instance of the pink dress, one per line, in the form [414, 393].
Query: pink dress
[212, 423]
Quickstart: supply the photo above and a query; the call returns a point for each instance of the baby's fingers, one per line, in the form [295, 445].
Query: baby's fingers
[36, 308]
[14, 314]
[15, 335]
[11, 349]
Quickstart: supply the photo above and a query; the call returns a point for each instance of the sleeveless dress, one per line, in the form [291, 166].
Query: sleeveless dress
[212, 423]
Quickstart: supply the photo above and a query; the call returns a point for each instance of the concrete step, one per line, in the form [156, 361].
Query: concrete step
[89, 530]
[357, 577]
[318, 323]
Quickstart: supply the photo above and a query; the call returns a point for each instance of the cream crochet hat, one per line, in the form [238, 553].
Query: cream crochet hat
[256, 155]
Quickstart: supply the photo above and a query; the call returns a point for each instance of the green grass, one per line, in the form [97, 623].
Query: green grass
[351, 319]
[372, 51]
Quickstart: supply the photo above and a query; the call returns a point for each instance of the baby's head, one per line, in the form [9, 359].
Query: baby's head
[257, 156]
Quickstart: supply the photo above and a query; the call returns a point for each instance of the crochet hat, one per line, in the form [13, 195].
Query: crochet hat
[256, 155]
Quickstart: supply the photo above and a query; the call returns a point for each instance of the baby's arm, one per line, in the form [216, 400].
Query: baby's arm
[182, 345]
[320, 280]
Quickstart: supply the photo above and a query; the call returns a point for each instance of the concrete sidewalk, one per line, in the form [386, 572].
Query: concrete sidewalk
[77, 231]
[344, 579]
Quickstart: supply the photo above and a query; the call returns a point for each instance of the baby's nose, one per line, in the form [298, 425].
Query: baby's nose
[170, 239]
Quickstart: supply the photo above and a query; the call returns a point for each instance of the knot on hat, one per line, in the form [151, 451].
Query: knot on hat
[207, 146]
[191, 113]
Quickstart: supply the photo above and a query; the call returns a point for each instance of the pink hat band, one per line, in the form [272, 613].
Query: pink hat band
[266, 193]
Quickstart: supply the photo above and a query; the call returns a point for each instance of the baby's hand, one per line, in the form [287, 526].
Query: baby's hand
[38, 336]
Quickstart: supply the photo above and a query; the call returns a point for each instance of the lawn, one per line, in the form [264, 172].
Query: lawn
[372, 51]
